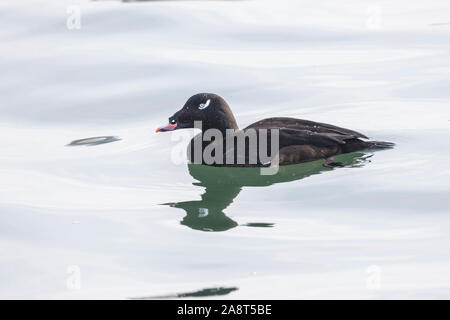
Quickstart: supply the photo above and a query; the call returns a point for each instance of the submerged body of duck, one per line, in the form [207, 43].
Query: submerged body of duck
[298, 140]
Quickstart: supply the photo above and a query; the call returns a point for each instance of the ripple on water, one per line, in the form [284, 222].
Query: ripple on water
[94, 141]
[208, 292]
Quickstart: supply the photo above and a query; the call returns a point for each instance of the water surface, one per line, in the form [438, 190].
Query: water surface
[121, 220]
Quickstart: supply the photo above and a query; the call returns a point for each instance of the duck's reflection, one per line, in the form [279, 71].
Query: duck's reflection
[222, 185]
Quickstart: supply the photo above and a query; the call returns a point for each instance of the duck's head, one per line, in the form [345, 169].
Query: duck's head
[209, 108]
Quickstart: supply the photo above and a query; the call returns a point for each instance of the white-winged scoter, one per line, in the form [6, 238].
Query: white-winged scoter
[299, 140]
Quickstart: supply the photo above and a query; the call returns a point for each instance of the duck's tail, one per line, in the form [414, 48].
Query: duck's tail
[379, 145]
[353, 145]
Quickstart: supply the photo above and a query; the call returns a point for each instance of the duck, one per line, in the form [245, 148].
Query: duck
[297, 140]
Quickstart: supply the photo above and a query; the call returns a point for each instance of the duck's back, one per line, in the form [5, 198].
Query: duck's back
[304, 140]
[303, 125]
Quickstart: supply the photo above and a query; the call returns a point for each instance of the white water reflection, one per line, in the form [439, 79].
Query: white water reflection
[132, 65]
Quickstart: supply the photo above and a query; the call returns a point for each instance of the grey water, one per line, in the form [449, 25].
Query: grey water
[92, 204]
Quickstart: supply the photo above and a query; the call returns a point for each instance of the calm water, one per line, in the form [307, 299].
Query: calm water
[114, 217]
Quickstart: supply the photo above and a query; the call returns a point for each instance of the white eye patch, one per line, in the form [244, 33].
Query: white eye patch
[204, 105]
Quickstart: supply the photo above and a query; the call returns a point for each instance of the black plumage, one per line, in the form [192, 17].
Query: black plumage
[299, 140]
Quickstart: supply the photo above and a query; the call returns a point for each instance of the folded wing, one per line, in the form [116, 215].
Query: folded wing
[305, 125]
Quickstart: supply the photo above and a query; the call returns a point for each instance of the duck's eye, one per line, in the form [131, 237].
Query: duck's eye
[204, 105]
[172, 121]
